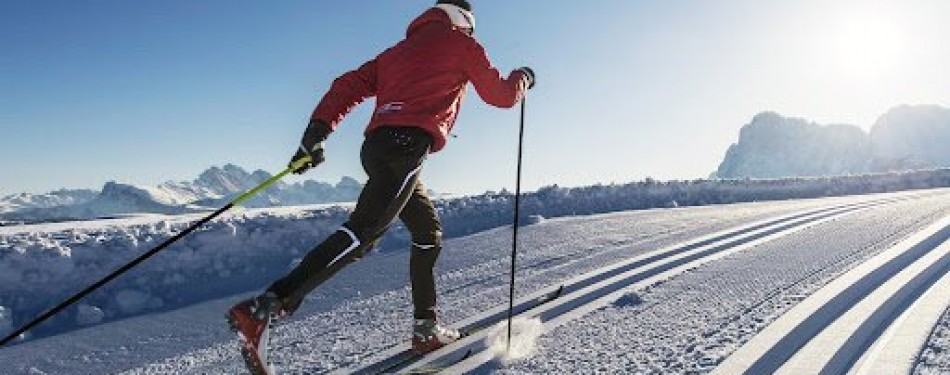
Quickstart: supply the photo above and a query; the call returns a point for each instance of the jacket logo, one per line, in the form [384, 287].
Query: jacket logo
[391, 107]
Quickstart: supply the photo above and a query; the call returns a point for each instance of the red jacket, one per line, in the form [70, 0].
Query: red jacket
[421, 80]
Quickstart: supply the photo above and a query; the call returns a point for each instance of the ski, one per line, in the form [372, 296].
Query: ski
[437, 369]
[408, 357]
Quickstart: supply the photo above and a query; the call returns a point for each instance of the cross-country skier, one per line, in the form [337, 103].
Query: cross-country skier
[419, 84]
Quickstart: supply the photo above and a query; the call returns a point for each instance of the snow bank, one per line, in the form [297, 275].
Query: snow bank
[40, 268]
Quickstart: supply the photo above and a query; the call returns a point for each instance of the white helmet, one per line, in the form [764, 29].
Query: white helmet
[460, 12]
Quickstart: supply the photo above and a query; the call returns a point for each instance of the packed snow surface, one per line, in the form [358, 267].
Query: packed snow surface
[688, 323]
[935, 358]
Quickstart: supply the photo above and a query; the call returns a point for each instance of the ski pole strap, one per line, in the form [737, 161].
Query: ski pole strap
[297, 164]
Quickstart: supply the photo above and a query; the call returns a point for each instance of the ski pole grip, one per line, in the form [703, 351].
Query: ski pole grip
[299, 163]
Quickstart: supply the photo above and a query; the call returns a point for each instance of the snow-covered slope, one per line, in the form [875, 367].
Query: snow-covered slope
[685, 317]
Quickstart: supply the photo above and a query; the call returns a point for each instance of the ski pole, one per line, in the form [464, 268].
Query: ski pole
[514, 239]
[75, 298]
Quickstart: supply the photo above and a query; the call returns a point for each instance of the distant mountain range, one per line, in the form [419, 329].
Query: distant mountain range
[63, 197]
[213, 188]
[771, 146]
[904, 138]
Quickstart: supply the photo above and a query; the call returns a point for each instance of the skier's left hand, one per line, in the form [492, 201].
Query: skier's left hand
[311, 145]
[316, 157]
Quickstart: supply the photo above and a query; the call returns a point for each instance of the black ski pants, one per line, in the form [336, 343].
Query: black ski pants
[392, 158]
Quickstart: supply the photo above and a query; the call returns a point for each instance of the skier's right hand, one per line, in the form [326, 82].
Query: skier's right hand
[311, 145]
[529, 76]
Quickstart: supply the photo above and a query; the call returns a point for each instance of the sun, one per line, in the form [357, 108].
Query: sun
[868, 45]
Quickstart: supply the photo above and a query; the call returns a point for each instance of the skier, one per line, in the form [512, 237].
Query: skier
[419, 84]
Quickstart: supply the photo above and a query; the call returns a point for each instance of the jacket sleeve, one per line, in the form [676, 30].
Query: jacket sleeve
[347, 92]
[490, 85]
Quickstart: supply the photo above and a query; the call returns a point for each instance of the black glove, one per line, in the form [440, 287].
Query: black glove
[311, 145]
[529, 74]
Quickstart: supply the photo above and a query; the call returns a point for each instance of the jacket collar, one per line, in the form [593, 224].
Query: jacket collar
[433, 15]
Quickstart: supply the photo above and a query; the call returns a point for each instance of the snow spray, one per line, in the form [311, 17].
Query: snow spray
[524, 338]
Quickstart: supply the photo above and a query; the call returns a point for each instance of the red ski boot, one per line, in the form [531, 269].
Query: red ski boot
[428, 335]
[252, 320]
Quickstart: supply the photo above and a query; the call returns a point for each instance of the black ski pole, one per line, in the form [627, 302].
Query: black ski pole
[517, 221]
[78, 296]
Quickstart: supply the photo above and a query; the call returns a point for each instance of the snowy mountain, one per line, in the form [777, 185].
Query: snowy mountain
[213, 188]
[62, 197]
[912, 137]
[772, 146]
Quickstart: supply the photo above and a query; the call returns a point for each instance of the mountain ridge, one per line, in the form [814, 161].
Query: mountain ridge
[776, 146]
[213, 188]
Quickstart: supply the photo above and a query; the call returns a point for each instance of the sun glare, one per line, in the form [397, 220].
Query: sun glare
[868, 45]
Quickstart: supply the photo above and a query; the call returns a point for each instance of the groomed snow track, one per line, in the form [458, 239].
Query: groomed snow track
[596, 289]
[875, 319]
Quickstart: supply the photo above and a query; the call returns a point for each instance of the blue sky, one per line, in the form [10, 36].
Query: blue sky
[145, 92]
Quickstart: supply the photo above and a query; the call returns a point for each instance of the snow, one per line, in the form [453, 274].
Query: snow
[533, 219]
[935, 356]
[690, 322]
[89, 315]
[887, 283]
[44, 264]
[6, 319]
[899, 348]
[524, 338]
[131, 301]
[661, 265]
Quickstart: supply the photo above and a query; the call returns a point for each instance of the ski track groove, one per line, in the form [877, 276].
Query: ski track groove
[665, 265]
[899, 349]
[832, 328]
[688, 344]
[803, 283]
[906, 287]
[585, 282]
